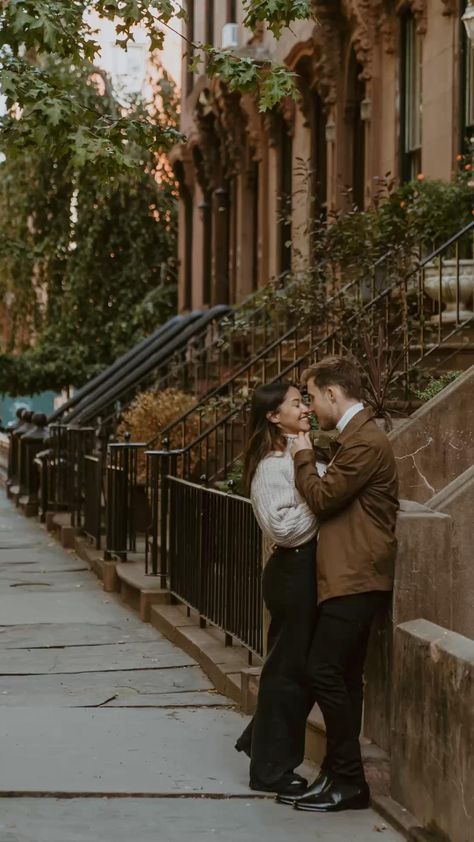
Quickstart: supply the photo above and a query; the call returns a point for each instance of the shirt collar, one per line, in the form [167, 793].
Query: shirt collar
[348, 415]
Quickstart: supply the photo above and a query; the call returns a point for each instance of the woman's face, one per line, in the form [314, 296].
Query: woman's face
[292, 414]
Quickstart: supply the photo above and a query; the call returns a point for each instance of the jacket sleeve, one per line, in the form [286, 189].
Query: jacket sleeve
[288, 521]
[352, 469]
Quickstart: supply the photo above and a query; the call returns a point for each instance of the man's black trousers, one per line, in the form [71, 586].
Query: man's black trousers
[335, 674]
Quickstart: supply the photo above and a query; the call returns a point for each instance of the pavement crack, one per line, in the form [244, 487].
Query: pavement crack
[99, 705]
[95, 672]
[214, 796]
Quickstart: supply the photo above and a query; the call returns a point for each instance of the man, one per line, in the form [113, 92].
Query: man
[356, 503]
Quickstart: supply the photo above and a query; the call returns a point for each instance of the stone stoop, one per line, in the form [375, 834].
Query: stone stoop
[104, 570]
[127, 578]
[60, 524]
[29, 508]
[138, 590]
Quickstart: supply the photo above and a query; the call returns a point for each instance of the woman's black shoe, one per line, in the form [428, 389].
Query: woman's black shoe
[336, 797]
[289, 784]
[320, 784]
[243, 745]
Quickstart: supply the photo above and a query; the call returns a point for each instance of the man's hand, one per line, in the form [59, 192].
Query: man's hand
[303, 442]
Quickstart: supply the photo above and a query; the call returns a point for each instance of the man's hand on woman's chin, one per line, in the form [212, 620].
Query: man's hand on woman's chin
[302, 442]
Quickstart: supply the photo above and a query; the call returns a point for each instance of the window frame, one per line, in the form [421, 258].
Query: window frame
[411, 89]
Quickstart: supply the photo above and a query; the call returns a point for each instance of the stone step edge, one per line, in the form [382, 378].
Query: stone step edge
[127, 579]
[401, 819]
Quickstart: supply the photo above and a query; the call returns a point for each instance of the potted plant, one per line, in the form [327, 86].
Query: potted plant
[433, 211]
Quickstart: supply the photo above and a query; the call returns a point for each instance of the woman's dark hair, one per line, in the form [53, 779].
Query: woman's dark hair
[264, 436]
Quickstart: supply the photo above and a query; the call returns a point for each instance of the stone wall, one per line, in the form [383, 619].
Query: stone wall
[436, 444]
[457, 501]
[422, 588]
[432, 757]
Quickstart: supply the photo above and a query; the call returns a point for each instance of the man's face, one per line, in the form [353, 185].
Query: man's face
[323, 404]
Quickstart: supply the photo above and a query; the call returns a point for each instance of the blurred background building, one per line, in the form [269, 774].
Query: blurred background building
[385, 88]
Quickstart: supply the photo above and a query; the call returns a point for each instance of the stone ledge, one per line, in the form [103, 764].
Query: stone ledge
[139, 590]
[222, 664]
[398, 816]
[104, 570]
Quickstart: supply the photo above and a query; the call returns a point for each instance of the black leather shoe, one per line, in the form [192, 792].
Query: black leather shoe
[336, 797]
[289, 784]
[322, 781]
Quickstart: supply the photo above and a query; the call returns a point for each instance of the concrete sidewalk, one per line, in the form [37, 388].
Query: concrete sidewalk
[109, 732]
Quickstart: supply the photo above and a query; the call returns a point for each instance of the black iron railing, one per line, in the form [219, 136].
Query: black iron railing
[93, 498]
[126, 507]
[67, 488]
[214, 556]
[415, 327]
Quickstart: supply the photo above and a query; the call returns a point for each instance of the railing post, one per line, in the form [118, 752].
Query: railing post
[13, 448]
[20, 431]
[43, 466]
[116, 509]
[31, 443]
[160, 464]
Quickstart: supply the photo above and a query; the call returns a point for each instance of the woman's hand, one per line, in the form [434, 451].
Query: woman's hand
[302, 442]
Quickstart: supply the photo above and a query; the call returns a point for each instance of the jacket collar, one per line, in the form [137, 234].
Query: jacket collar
[355, 424]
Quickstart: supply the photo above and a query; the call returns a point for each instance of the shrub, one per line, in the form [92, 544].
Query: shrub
[150, 413]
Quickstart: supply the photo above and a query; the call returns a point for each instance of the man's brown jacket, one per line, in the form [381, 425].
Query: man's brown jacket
[356, 503]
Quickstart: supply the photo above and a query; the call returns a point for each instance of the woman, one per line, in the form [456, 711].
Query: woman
[275, 737]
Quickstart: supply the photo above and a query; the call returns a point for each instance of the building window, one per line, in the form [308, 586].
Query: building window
[317, 123]
[190, 48]
[231, 12]
[467, 92]
[285, 187]
[412, 105]
[209, 21]
[188, 255]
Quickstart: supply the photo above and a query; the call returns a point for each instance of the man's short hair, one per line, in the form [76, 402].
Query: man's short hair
[336, 371]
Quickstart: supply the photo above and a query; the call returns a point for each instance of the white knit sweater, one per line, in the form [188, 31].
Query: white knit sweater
[281, 512]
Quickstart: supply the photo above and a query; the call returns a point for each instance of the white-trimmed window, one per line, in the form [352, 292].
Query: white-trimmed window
[412, 100]
[468, 87]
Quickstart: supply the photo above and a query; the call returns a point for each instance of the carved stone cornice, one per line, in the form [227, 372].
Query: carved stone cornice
[418, 9]
[386, 25]
[182, 164]
[327, 37]
[207, 140]
[359, 14]
[450, 7]
[230, 125]
[254, 126]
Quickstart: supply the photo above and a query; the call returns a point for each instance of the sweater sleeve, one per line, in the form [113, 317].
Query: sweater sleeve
[280, 511]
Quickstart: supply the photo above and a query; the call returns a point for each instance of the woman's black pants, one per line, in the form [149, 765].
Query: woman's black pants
[278, 728]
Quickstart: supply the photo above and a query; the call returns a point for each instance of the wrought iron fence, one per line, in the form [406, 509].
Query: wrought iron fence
[212, 358]
[126, 501]
[416, 326]
[93, 505]
[69, 445]
[213, 556]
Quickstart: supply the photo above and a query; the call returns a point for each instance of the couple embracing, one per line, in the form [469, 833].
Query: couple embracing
[332, 524]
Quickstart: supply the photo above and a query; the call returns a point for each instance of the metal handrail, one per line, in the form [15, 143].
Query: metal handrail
[203, 405]
[333, 335]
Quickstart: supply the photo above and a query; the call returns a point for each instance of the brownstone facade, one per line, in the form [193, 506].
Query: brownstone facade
[385, 87]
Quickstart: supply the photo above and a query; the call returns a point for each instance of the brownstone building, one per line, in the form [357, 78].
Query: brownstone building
[386, 86]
